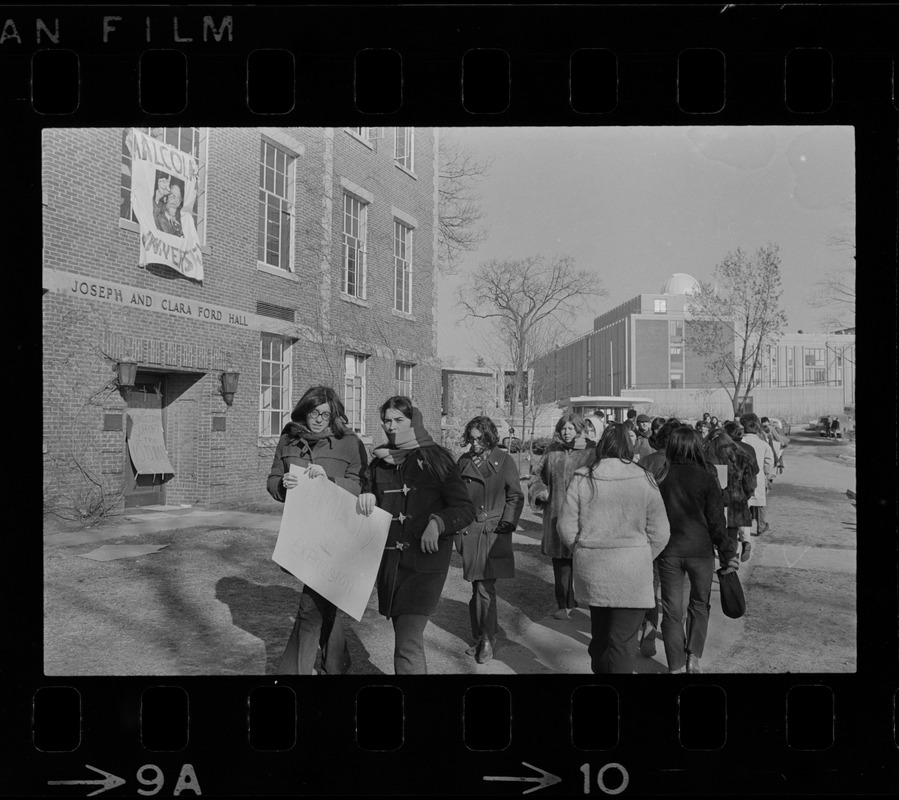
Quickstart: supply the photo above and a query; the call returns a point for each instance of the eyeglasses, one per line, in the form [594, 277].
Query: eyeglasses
[316, 414]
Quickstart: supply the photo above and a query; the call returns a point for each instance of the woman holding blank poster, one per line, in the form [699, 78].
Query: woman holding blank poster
[318, 440]
[418, 483]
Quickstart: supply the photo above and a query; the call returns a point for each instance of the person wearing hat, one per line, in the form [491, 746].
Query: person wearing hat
[418, 482]
[594, 425]
[318, 439]
[642, 446]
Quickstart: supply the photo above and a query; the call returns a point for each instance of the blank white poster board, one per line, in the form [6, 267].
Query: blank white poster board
[329, 544]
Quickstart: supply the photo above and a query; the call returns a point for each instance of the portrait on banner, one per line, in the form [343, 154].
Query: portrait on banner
[164, 187]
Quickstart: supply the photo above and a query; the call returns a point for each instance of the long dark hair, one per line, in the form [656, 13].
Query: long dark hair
[660, 438]
[438, 459]
[684, 446]
[615, 442]
[311, 399]
[719, 448]
[489, 434]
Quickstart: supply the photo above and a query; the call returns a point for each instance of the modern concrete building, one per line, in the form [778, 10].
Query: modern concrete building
[302, 257]
[640, 349]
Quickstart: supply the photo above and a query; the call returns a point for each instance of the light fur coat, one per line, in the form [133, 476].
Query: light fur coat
[615, 523]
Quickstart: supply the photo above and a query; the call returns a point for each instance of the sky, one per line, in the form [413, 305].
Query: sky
[634, 205]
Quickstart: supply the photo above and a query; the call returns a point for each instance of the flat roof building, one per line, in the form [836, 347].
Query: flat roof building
[641, 348]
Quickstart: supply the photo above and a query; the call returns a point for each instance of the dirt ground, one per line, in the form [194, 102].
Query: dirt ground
[213, 602]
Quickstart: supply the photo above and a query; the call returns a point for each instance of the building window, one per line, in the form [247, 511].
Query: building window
[188, 140]
[354, 234]
[354, 391]
[677, 381]
[404, 379]
[274, 385]
[814, 357]
[660, 306]
[403, 150]
[677, 356]
[676, 329]
[275, 206]
[402, 265]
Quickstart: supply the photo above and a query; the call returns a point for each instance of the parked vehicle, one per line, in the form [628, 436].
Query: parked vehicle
[823, 426]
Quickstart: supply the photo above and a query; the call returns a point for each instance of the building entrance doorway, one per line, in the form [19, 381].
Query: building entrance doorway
[148, 395]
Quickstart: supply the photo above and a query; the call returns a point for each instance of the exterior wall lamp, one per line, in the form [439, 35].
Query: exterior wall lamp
[126, 373]
[229, 385]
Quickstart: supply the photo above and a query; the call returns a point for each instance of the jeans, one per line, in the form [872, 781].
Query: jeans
[613, 648]
[319, 623]
[409, 646]
[562, 577]
[482, 608]
[679, 643]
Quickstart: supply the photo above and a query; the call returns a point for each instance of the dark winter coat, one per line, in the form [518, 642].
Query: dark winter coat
[342, 459]
[741, 482]
[695, 507]
[551, 476]
[496, 498]
[410, 581]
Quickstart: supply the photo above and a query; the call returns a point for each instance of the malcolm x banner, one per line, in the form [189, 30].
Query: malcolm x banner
[163, 194]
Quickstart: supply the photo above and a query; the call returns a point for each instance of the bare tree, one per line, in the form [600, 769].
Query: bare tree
[734, 318]
[459, 214]
[835, 292]
[523, 299]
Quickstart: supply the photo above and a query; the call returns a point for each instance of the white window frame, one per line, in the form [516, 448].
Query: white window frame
[285, 200]
[359, 290]
[402, 373]
[660, 306]
[352, 381]
[402, 266]
[267, 405]
[199, 149]
[406, 158]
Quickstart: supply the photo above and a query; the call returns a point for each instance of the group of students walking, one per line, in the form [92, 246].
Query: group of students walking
[434, 502]
[623, 529]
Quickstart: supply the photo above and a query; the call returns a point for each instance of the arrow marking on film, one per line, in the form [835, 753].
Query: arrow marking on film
[109, 781]
[546, 779]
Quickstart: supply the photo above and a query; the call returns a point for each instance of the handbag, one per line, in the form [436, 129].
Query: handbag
[733, 603]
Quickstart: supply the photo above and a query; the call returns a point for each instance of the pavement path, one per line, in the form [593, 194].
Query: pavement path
[531, 640]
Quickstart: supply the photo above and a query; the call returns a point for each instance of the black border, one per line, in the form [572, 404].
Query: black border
[432, 40]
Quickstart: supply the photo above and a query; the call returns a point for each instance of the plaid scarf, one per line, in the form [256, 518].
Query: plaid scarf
[399, 445]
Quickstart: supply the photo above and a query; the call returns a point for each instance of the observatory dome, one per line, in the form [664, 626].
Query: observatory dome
[680, 283]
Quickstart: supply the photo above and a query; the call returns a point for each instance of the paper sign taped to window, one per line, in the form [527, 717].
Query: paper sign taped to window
[146, 443]
[329, 544]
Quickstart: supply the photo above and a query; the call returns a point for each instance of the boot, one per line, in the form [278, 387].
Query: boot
[746, 553]
[693, 667]
[485, 651]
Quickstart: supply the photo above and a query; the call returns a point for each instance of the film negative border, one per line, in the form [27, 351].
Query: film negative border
[459, 735]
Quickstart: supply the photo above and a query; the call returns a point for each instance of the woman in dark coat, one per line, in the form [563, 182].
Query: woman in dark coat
[318, 440]
[486, 545]
[720, 449]
[418, 483]
[695, 508]
[546, 492]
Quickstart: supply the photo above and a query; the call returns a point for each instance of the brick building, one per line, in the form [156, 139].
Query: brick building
[640, 348]
[318, 267]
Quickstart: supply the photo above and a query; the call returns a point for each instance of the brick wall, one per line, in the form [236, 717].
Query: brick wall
[84, 337]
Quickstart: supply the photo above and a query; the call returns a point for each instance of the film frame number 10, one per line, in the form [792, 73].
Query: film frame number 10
[601, 779]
